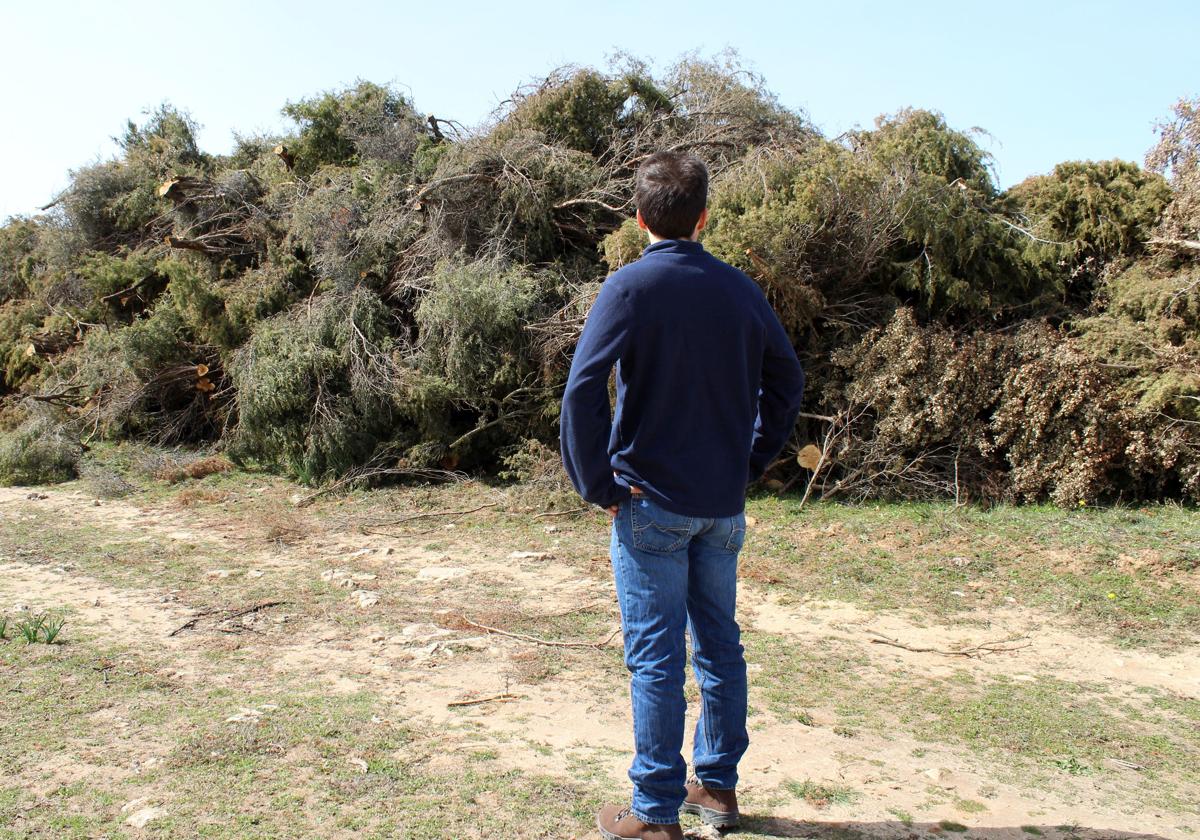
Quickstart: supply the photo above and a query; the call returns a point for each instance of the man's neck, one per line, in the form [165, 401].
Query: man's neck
[655, 239]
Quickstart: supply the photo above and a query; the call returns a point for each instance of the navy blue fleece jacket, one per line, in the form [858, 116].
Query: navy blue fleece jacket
[708, 385]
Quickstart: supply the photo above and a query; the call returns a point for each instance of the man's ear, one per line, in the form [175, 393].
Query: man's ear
[701, 222]
[642, 222]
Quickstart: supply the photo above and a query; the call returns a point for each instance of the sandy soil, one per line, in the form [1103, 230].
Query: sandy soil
[581, 713]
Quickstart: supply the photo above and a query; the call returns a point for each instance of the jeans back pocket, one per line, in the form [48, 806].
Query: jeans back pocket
[737, 533]
[656, 529]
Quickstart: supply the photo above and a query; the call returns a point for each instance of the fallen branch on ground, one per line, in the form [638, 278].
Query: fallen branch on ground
[190, 624]
[535, 640]
[367, 473]
[974, 652]
[495, 698]
[436, 513]
[561, 512]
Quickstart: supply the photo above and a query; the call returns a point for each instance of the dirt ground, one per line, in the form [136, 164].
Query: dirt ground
[376, 698]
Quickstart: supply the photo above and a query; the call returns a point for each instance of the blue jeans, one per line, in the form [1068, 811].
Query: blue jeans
[671, 572]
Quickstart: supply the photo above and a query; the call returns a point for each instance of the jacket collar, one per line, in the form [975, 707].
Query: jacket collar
[674, 246]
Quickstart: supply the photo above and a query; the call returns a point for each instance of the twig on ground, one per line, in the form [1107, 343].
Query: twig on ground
[432, 513]
[190, 624]
[368, 472]
[561, 512]
[535, 640]
[974, 652]
[1123, 764]
[495, 698]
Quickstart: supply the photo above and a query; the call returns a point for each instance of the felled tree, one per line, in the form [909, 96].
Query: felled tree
[1177, 155]
[504, 194]
[342, 128]
[111, 204]
[814, 226]
[474, 350]
[316, 387]
[959, 252]
[1084, 216]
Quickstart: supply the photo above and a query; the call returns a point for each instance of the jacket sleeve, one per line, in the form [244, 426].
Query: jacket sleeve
[585, 425]
[779, 396]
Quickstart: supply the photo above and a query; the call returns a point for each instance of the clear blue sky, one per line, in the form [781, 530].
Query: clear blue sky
[1051, 81]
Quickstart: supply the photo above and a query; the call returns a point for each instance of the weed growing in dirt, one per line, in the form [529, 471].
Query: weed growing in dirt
[43, 627]
[822, 794]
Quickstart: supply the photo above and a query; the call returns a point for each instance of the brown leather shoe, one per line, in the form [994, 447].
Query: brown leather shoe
[617, 822]
[717, 808]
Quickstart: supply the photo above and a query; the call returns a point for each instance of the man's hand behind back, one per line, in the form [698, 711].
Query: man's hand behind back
[612, 511]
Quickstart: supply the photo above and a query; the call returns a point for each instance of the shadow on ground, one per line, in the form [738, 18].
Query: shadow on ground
[894, 830]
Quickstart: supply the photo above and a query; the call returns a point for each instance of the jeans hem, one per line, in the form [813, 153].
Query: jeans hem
[644, 817]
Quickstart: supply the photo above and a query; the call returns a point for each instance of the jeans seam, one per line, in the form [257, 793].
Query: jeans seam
[705, 708]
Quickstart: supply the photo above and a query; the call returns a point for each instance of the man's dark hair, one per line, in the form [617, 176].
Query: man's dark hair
[671, 191]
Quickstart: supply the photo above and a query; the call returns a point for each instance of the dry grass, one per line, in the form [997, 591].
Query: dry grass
[198, 496]
[175, 471]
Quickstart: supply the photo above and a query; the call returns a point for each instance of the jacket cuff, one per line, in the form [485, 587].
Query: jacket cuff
[614, 495]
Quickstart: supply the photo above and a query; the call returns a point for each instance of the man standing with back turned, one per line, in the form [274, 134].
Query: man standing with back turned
[708, 389]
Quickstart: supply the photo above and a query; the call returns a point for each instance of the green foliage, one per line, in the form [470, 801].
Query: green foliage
[315, 386]
[262, 292]
[39, 451]
[580, 110]
[104, 275]
[1150, 328]
[959, 252]
[1087, 214]
[721, 110]
[109, 203]
[19, 321]
[195, 295]
[812, 226]
[43, 627]
[154, 341]
[500, 194]
[623, 245]
[922, 140]
[393, 289]
[18, 258]
[352, 226]
[472, 327]
[165, 143]
[343, 127]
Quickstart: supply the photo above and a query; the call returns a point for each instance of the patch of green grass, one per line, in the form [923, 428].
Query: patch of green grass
[1070, 764]
[294, 769]
[969, 806]
[1041, 726]
[822, 794]
[950, 825]
[918, 556]
[904, 816]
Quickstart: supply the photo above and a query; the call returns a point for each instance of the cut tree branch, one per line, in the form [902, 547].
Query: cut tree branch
[535, 640]
[975, 652]
[1185, 244]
